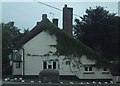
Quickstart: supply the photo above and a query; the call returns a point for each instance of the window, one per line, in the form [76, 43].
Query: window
[54, 65]
[44, 65]
[17, 64]
[105, 69]
[67, 62]
[88, 68]
[49, 65]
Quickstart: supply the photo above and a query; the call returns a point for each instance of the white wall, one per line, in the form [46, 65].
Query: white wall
[17, 71]
[64, 69]
[39, 45]
[95, 74]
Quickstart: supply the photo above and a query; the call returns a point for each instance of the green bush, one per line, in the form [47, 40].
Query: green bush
[49, 75]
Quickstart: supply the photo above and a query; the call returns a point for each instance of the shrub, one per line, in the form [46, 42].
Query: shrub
[49, 75]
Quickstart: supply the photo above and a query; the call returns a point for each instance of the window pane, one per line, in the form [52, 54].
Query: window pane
[45, 65]
[104, 69]
[54, 65]
[86, 68]
[49, 66]
[90, 68]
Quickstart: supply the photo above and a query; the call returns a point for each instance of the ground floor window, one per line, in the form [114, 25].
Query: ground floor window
[88, 69]
[105, 69]
[44, 65]
[49, 65]
[17, 64]
[54, 65]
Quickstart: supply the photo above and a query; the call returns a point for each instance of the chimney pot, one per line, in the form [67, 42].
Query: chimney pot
[65, 5]
[55, 21]
[44, 16]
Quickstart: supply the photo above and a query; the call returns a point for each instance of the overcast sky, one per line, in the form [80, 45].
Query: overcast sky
[26, 14]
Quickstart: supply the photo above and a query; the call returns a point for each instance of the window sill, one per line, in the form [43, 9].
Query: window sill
[105, 72]
[89, 72]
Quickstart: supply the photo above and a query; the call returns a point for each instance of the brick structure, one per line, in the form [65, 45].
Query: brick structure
[67, 19]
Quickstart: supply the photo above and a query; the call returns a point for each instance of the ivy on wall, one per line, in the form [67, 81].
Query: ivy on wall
[67, 45]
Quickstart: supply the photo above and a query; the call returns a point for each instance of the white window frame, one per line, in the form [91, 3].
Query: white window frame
[88, 71]
[49, 63]
[105, 72]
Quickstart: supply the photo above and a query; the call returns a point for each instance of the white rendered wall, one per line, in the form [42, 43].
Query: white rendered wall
[17, 71]
[96, 73]
[39, 45]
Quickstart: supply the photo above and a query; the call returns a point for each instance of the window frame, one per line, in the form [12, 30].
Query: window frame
[44, 65]
[18, 64]
[54, 66]
[49, 63]
[105, 71]
[88, 70]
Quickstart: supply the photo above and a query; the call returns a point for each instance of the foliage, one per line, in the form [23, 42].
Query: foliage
[49, 75]
[69, 46]
[98, 29]
[10, 36]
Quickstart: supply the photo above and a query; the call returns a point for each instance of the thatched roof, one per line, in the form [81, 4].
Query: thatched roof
[36, 30]
[66, 44]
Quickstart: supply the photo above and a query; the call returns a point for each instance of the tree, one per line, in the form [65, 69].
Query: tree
[10, 36]
[98, 29]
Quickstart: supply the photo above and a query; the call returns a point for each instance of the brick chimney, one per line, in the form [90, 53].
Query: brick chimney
[55, 21]
[67, 19]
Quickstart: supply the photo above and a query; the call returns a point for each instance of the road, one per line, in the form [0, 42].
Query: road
[53, 84]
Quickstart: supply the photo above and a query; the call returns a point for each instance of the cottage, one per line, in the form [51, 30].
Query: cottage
[47, 46]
